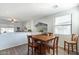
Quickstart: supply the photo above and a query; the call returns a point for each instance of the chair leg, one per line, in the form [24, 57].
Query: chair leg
[53, 51]
[48, 49]
[64, 45]
[68, 48]
[40, 48]
[28, 50]
[76, 49]
[32, 51]
[72, 47]
[35, 51]
[57, 50]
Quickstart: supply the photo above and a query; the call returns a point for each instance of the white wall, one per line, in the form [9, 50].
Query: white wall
[75, 20]
[47, 20]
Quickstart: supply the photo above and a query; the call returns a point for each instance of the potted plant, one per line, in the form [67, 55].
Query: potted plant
[29, 30]
[41, 31]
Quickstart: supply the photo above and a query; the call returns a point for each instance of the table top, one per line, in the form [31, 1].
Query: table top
[43, 37]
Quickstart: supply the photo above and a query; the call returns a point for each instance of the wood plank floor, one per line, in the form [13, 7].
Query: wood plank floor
[22, 50]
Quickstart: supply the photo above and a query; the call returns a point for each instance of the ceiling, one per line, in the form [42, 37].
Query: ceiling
[30, 11]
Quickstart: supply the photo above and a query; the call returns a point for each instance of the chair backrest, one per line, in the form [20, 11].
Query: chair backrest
[50, 34]
[29, 39]
[56, 41]
[75, 37]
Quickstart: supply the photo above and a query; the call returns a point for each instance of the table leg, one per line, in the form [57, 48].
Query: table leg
[40, 47]
[46, 48]
[76, 49]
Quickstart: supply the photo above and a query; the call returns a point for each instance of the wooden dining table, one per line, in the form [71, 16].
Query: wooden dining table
[43, 39]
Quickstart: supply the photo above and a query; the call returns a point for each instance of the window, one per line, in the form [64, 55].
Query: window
[63, 25]
[4, 30]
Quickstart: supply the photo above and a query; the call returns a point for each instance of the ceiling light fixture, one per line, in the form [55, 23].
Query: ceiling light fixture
[12, 20]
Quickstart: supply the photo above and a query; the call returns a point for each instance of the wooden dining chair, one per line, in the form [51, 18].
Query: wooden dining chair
[53, 45]
[31, 44]
[70, 44]
[50, 34]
